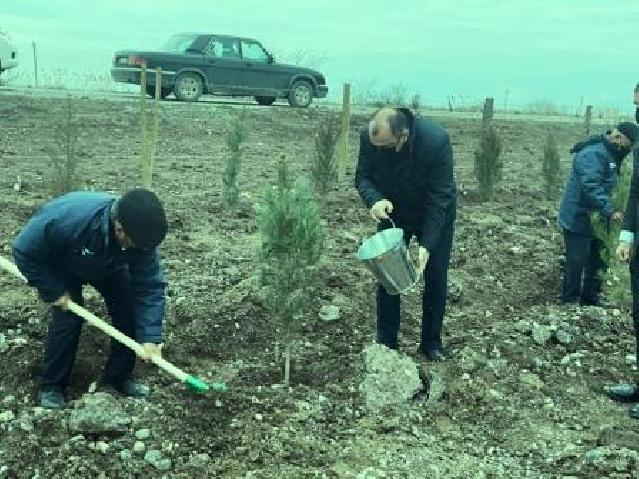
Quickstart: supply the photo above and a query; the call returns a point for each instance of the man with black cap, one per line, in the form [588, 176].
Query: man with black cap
[627, 252]
[594, 175]
[112, 244]
[405, 172]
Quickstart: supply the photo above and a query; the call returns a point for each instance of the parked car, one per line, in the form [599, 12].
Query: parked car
[193, 64]
[8, 53]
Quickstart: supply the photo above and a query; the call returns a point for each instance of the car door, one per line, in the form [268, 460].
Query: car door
[223, 65]
[261, 76]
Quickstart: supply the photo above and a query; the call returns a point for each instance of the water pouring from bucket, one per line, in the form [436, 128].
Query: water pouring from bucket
[386, 255]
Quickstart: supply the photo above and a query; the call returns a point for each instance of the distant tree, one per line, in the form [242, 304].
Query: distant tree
[324, 163]
[550, 168]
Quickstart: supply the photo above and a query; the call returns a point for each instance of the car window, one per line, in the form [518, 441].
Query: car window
[223, 48]
[179, 43]
[254, 51]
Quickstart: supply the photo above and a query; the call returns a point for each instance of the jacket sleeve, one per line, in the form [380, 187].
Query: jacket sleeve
[630, 217]
[441, 195]
[363, 174]
[147, 278]
[590, 172]
[38, 243]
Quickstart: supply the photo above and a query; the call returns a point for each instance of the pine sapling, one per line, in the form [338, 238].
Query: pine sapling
[65, 155]
[292, 241]
[488, 164]
[616, 278]
[235, 138]
[551, 168]
[324, 163]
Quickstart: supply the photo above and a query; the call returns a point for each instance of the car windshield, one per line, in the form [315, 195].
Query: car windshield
[179, 43]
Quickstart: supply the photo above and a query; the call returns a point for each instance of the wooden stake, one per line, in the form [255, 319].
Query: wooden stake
[588, 121]
[35, 64]
[144, 150]
[488, 112]
[342, 148]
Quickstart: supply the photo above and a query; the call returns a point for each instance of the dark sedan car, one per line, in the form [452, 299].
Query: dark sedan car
[194, 64]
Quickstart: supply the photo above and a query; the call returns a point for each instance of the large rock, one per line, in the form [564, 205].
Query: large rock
[390, 379]
[98, 413]
[541, 334]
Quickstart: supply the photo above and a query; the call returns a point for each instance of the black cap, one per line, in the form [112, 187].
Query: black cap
[142, 217]
[630, 130]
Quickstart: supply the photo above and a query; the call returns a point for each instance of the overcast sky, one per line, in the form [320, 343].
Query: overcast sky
[557, 50]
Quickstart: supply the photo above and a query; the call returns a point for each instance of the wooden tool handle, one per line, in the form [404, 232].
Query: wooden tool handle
[104, 327]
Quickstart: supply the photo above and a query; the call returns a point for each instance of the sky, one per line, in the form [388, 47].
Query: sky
[518, 51]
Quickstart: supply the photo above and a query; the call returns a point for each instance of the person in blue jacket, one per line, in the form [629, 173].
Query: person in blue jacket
[594, 175]
[627, 252]
[405, 173]
[112, 244]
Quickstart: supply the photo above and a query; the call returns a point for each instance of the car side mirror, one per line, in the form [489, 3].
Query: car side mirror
[270, 58]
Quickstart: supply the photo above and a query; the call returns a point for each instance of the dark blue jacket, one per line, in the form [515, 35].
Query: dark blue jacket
[418, 180]
[71, 238]
[594, 174]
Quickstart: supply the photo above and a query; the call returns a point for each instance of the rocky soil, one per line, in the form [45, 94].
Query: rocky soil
[521, 396]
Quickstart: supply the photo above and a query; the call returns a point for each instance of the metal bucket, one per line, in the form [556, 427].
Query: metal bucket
[386, 255]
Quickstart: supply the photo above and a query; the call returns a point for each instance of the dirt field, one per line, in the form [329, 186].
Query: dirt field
[522, 393]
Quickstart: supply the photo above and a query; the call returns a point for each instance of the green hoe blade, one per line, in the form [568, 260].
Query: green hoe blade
[196, 384]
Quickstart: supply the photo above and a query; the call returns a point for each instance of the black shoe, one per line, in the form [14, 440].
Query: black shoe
[129, 388]
[627, 392]
[634, 411]
[435, 355]
[51, 399]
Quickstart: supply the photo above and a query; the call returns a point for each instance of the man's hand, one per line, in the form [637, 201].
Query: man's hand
[381, 210]
[62, 302]
[150, 350]
[623, 252]
[617, 216]
[423, 260]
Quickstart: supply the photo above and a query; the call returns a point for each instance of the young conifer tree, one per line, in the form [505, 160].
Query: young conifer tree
[235, 139]
[488, 163]
[616, 278]
[292, 242]
[551, 173]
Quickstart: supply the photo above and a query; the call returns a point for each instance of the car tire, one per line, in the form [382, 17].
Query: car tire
[188, 87]
[265, 100]
[301, 94]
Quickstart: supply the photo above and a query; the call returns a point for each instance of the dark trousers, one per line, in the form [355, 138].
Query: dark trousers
[634, 284]
[433, 297]
[582, 282]
[64, 332]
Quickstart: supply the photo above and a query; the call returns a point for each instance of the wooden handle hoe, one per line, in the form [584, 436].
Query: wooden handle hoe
[193, 382]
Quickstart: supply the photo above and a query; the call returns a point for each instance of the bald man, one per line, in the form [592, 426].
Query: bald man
[405, 173]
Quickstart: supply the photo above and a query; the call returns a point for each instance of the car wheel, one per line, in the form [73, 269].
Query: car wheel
[265, 100]
[301, 95]
[188, 87]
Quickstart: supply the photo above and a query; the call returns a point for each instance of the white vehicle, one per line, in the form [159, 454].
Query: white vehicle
[8, 54]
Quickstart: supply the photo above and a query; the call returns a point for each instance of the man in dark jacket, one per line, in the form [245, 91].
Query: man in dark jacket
[595, 170]
[405, 172]
[627, 251]
[111, 244]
